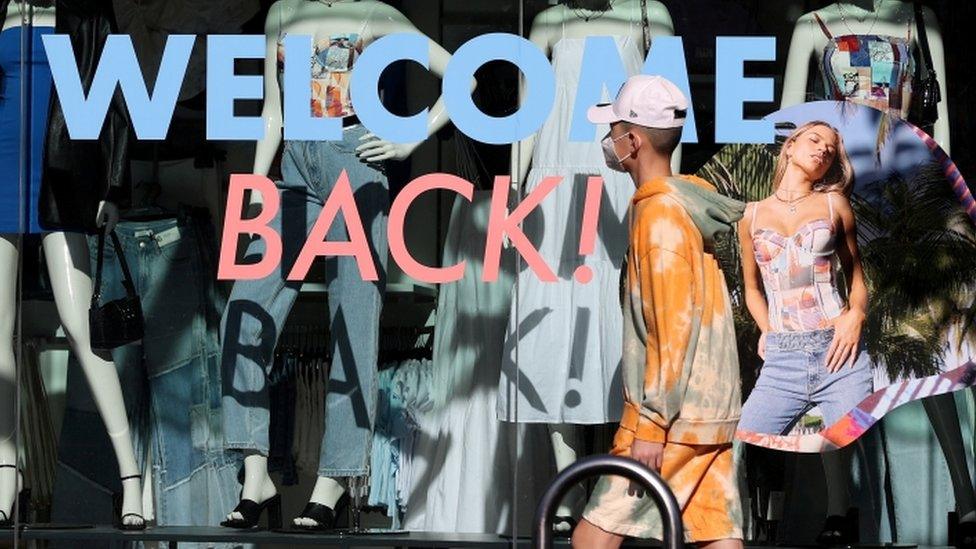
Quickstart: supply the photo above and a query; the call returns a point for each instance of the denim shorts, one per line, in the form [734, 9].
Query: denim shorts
[794, 379]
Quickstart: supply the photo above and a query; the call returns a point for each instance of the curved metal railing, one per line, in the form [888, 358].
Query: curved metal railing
[609, 465]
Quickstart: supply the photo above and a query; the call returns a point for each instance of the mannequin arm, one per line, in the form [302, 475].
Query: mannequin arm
[267, 147]
[521, 156]
[375, 150]
[941, 129]
[797, 64]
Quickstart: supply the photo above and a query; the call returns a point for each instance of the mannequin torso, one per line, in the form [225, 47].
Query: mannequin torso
[886, 23]
[622, 19]
[323, 20]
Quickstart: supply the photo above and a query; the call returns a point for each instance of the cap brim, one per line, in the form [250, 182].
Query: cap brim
[602, 114]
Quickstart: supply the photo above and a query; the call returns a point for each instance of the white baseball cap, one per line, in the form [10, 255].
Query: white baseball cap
[645, 100]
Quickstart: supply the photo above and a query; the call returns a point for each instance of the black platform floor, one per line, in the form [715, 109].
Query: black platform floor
[171, 537]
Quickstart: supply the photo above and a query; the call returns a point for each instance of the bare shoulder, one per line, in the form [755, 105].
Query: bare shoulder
[545, 21]
[840, 202]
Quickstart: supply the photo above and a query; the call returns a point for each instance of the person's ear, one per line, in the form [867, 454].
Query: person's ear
[635, 142]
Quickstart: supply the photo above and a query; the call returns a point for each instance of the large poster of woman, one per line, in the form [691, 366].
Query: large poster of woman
[853, 273]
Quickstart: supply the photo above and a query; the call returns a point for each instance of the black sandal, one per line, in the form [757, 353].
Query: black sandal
[21, 505]
[323, 515]
[251, 512]
[119, 518]
[839, 530]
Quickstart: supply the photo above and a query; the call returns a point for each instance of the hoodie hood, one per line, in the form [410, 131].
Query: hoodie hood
[712, 213]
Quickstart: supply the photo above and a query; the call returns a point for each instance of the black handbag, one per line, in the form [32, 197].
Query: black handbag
[925, 100]
[117, 322]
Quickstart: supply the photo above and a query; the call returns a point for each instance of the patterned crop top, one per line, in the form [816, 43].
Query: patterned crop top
[868, 69]
[331, 69]
[800, 273]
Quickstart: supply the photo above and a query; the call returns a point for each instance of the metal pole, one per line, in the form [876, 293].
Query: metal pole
[609, 465]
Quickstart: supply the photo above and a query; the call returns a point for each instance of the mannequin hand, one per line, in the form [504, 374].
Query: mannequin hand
[847, 337]
[107, 216]
[377, 150]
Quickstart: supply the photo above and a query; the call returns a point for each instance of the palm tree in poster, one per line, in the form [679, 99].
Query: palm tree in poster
[918, 249]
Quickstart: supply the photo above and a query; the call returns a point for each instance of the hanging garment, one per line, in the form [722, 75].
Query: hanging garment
[399, 403]
[564, 338]
[868, 69]
[20, 188]
[459, 466]
[78, 174]
[149, 23]
[170, 380]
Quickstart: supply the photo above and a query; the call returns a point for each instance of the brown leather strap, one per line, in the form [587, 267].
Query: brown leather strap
[823, 26]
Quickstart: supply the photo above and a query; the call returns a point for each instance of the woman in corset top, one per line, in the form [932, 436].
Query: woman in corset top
[805, 290]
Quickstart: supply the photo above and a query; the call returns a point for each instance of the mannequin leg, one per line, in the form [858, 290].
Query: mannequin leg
[942, 414]
[565, 449]
[258, 485]
[69, 268]
[327, 492]
[9, 259]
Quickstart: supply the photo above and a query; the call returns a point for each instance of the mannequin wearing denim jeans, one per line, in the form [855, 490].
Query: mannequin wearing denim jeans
[358, 23]
[171, 377]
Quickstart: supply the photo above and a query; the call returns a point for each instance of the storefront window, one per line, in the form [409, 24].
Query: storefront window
[256, 320]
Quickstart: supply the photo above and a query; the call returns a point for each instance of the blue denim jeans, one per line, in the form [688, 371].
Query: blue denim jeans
[170, 379]
[257, 309]
[794, 378]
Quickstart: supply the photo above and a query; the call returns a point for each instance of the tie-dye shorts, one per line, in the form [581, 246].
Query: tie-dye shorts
[703, 480]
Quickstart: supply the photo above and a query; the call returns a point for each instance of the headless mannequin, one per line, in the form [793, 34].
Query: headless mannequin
[880, 17]
[67, 259]
[547, 29]
[890, 18]
[321, 19]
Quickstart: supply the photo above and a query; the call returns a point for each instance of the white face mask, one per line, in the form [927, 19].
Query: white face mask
[610, 152]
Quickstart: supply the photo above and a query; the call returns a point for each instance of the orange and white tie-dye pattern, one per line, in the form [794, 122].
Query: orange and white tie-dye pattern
[680, 363]
[704, 483]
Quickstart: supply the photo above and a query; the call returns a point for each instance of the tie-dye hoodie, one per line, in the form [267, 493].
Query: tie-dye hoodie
[680, 366]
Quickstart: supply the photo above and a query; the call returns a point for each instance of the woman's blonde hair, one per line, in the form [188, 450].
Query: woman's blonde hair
[838, 178]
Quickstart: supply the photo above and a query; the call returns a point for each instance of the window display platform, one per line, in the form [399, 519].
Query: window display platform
[173, 536]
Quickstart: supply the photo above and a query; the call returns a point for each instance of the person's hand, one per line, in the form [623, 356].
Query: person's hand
[847, 336]
[761, 346]
[651, 454]
[377, 150]
[107, 216]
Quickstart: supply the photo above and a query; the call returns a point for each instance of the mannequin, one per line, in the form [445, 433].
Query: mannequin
[560, 31]
[66, 255]
[340, 28]
[885, 18]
